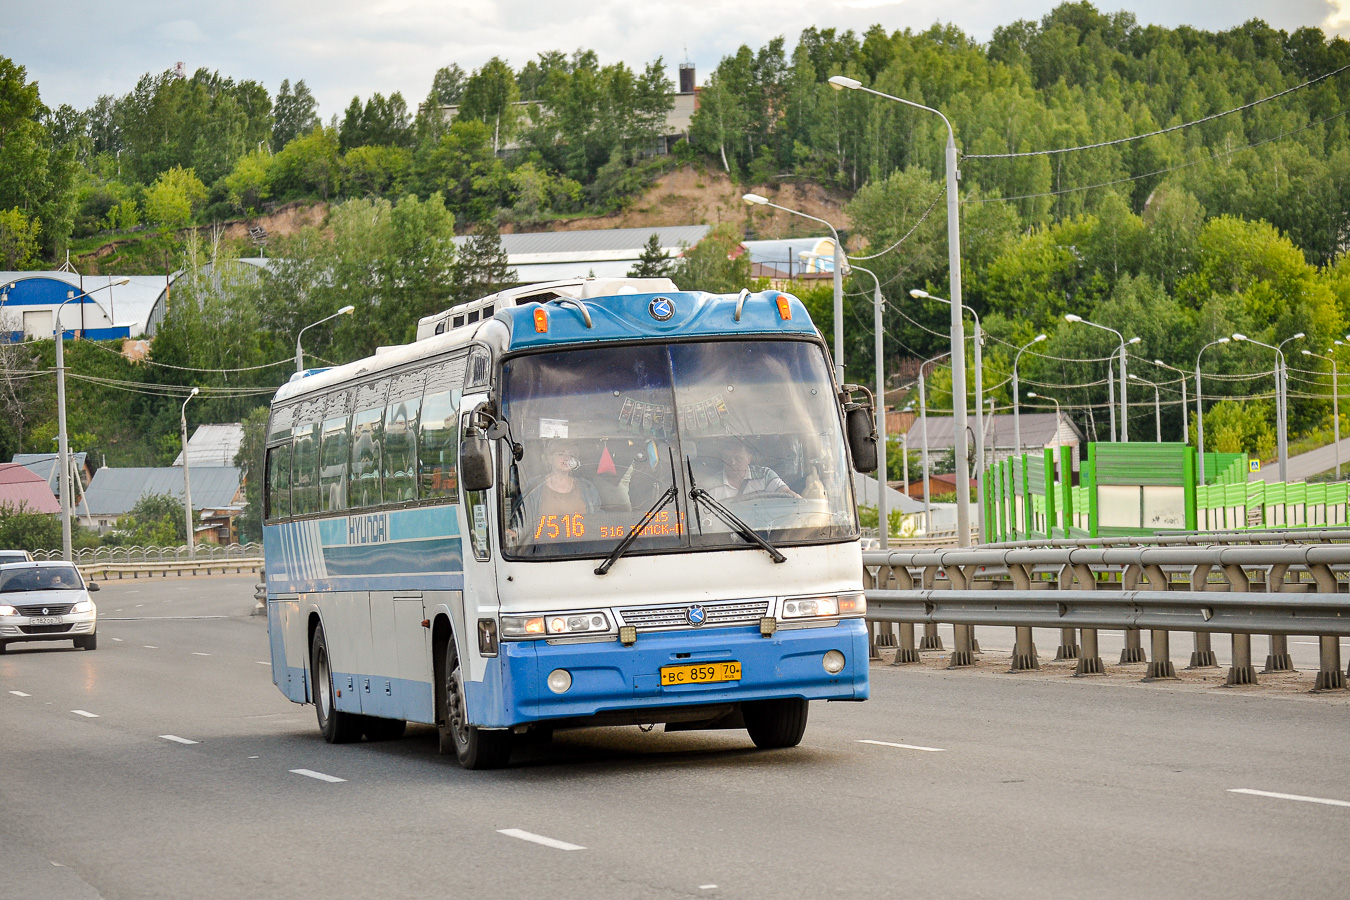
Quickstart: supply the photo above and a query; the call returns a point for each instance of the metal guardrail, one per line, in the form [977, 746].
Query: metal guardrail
[1189, 538]
[1239, 590]
[128, 555]
[236, 565]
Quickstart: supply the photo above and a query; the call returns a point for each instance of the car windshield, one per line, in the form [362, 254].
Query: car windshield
[40, 578]
[605, 432]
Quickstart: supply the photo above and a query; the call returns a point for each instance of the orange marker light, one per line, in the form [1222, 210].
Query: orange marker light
[541, 321]
[784, 308]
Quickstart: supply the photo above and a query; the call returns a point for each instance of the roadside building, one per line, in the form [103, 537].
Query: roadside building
[114, 492]
[24, 490]
[543, 256]
[100, 309]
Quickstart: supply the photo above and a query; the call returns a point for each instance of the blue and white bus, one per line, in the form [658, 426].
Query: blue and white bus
[596, 502]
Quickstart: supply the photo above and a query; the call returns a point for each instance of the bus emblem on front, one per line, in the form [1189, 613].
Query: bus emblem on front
[661, 308]
[696, 615]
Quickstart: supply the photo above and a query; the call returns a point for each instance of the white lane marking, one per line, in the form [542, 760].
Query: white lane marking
[155, 618]
[87, 715]
[134, 592]
[139, 605]
[20, 694]
[905, 746]
[538, 839]
[149, 646]
[199, 653]
[310, 773]
[180, 740]
[261, 663]
[119, 640]
[1299, 797]
[253, 757]
[707, 887]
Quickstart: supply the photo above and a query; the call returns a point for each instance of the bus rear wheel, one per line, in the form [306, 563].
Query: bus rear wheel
[473, 747]
[336, 726]
[775, 724]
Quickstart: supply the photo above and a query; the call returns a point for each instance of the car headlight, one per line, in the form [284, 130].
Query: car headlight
[8, 611]
[854, 604]
[84, 606]
[566, 623]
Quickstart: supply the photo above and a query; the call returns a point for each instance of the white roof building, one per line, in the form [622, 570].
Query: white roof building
[212, 445]
[544, 256]
[99, 307]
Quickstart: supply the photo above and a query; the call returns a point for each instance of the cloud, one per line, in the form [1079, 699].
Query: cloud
[79, 49]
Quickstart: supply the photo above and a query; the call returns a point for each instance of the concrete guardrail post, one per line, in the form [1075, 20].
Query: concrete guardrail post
[1241, 671]
[1024, 657]
[1329, 675]
[963, 654]
[1161, 668]
[1202, 656]
[1089, 658]
[931, 639]
[1133, 651]
[1068, 645]
[1278, 659]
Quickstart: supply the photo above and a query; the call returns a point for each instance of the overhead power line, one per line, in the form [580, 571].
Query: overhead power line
[1140, 137]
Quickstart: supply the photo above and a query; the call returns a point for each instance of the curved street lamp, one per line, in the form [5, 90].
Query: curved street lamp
[1335, 402]
[760, 200]
[63, 441]
[187, 485]
[878, 305]
[923, 430]
[1035, 396]
[1199, 406]
[1185, 429]
[1157, 405]
[1124, 416]
[1281, 425]
[1016, 388]
[843, 82]
[300, 354]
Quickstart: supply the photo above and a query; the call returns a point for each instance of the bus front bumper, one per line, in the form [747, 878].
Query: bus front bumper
[609, 677]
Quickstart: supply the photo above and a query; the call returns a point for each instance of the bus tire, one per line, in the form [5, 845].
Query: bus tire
[336, 726]
[775, 724]
[377, 729]
[473, 747]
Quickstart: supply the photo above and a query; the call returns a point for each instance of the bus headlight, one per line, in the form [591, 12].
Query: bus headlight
[554, 624]
[806, 607]
[559, 681]
[833, 662]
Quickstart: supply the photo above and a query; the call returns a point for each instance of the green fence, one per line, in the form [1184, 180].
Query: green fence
[1144, 489]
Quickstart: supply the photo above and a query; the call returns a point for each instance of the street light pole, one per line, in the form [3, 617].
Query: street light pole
[187, 485]
[923, 429]
[1335, 404]
[979, 408]
[760, 200]
[1017, 398]
[1185, 404]
[63, 441]
[839, 83]
[1124, 414]
[300, 354]
[1035, 396]
[1284, 398]
[878, 305]
[1281, 426]
[1200, 409]
[1157, 405]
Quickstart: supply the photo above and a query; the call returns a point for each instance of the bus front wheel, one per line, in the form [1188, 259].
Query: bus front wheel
[774, 724]
[336, 726]
[473, 747]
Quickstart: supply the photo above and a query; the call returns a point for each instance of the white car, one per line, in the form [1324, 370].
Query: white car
[46, 601]
[11, 556]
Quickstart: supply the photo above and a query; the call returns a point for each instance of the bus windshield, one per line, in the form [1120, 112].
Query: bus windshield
[606, 433]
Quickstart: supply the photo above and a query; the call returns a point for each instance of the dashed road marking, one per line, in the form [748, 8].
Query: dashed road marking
[85, 713]
[178, 740]
[707, 887]
[310, 773]
[119, 640]
[199, 653]
[149, 646]
[20, 694]
[261, 662]
[906, 746]
[1299, 797]
[538, 839]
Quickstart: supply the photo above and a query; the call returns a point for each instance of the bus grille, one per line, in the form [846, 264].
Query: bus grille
[49, 609]
[720, 614]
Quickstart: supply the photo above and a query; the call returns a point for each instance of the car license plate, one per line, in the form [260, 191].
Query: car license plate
[44, 620]
[700, 673]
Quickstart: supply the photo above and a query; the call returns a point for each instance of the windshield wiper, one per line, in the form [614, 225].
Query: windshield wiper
[622, 547]
[729, 518]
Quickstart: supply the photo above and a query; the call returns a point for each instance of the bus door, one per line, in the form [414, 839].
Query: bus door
[480, 573]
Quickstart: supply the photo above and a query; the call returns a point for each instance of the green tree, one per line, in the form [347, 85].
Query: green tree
[483, 267]
[716, 264]
[174, 198]
[489, 97]
[21, 529]
[18, 240]
[310, 165]
[373, 171]
[248, 185]
[654, 262]
[295, 113]
[249, 461]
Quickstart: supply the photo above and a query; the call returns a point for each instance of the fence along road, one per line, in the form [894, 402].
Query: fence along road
[1239, 590]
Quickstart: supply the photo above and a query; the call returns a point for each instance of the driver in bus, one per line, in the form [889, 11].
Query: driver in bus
[559, 493]
[740, 478]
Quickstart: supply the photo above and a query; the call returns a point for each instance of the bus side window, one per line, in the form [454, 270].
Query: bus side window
[437, 446]
[367, 438]
[278, 482]
[305, 470]
[333, 464]
[399, 461]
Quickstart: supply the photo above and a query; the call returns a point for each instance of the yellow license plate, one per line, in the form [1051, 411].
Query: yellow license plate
[700, 673]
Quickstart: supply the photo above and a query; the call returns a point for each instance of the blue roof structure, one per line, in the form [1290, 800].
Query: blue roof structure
[637, 316]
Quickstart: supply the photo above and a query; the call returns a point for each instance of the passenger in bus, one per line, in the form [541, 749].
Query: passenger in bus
[740, 478]
[560, 492]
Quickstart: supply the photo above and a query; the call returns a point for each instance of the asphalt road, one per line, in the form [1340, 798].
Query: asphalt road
[964, 784]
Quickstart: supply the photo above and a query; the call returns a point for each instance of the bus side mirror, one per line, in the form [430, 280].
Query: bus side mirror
[475, 462]
[862, 438]
[860, 425]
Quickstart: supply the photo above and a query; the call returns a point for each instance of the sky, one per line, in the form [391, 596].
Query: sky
[78, 50]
